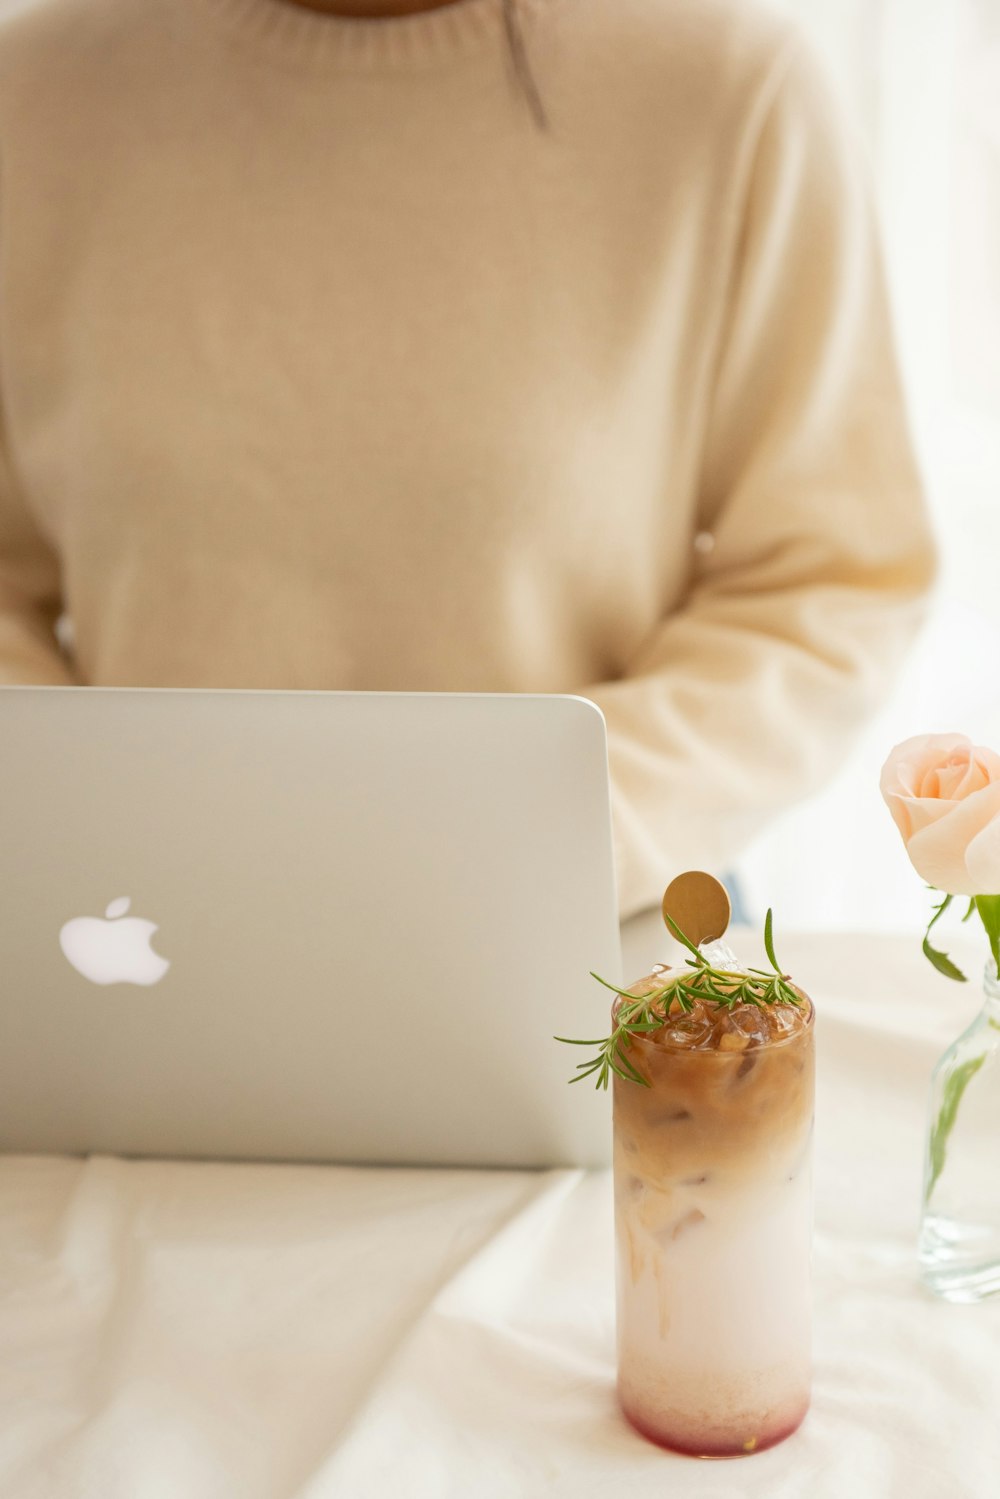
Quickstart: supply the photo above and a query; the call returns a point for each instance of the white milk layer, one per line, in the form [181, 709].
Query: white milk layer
[714, 1307]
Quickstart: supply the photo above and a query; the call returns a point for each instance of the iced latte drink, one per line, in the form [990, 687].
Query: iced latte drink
[713, 1221]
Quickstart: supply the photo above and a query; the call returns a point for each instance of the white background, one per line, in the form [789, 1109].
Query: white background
[921, 79]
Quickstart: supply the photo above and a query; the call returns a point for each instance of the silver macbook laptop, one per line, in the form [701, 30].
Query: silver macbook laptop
[303, 925]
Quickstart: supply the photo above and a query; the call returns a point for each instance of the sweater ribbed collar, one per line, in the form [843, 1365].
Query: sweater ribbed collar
[318, 39]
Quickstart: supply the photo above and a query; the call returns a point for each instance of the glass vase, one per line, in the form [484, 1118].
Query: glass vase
[959, 1245]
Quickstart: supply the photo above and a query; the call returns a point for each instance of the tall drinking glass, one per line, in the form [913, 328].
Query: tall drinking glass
[713, 1209]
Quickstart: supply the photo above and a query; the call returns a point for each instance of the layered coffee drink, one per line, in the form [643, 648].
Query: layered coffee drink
[712, 1165]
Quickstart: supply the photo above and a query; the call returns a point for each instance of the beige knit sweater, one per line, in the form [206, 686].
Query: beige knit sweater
[323, 366]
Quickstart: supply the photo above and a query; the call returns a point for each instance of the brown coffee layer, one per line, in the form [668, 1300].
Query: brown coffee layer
[722, 1107]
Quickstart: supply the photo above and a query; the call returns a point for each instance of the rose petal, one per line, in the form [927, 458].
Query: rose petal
[931, 784]
[908, 762]
[912, 814]
[982, 859]
[938, 851]
[988, 762]
[959, 781]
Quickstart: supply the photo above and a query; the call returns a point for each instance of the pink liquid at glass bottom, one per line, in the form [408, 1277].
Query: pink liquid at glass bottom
[706, 1449]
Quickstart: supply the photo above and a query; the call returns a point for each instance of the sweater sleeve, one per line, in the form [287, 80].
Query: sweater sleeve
[30, 596]
[746, 697]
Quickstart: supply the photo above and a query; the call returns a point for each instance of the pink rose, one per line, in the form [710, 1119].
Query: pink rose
[944, 795]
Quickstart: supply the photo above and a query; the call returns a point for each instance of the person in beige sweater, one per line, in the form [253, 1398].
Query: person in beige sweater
[337, 351]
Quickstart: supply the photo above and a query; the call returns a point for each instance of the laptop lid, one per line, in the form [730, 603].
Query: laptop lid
[303, 925]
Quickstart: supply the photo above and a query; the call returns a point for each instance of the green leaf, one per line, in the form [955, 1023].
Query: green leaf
[769, 941]
[594, 1067]
[988, 907]
[943, 963]
[972, 907]
[628, 1077]
[940, 960]
[625, 993]
[945, 1122]
[673, 927]
[581, 1075]
[633, 1071]
[572, 1041]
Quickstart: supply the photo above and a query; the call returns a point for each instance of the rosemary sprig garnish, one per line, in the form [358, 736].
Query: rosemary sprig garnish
[642, 1014]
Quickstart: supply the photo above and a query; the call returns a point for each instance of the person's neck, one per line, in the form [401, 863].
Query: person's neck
[371, 9]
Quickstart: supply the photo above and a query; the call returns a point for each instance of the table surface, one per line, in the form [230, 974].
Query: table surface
[194, 1331]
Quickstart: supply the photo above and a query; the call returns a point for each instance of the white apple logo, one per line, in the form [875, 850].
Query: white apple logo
[114, 951]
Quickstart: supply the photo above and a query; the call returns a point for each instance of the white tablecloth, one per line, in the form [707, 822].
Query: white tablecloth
[181, 1331]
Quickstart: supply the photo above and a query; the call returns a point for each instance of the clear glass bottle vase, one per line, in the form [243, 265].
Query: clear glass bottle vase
[959, 1245]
